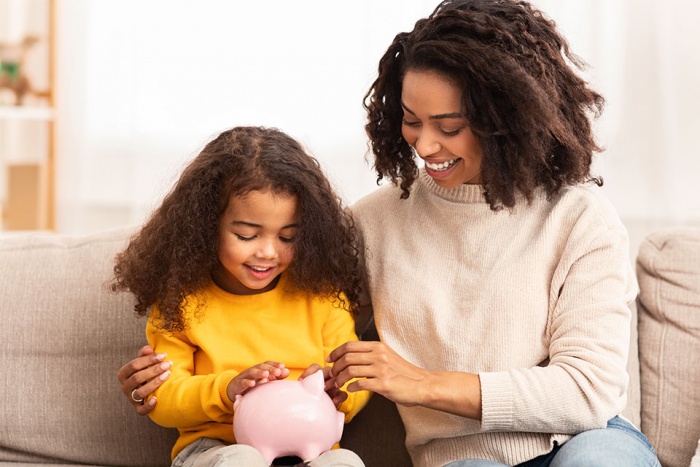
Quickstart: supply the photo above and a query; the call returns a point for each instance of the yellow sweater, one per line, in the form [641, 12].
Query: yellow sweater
[232, 333]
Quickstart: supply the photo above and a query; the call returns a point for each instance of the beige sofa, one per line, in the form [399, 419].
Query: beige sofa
[64, 335]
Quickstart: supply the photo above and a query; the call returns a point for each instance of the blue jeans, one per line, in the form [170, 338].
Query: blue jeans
[619, 445]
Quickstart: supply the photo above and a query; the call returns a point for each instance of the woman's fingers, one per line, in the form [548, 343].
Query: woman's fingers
[375, 367]
[143, 375]
[143, 390]
[355, 360]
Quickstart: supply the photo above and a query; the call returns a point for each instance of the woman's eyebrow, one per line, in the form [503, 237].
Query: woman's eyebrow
[434, 117]
[407, 109]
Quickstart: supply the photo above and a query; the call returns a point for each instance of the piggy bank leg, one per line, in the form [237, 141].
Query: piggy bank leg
[268, 453]
[311, 451]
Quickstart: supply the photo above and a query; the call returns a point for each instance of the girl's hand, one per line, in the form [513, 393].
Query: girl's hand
[379, 370]
[258, 374]
[336, 395]
[143, 375]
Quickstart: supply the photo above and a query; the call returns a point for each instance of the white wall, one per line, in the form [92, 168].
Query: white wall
[142, 85]
[643, 58]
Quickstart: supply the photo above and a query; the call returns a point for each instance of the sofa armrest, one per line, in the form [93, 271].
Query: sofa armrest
[668, 270]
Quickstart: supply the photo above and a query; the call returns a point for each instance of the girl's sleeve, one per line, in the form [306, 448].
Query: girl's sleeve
[338, 329]
[185, 399]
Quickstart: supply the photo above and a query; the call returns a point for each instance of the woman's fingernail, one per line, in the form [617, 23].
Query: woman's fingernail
[160, 356]
[164, 375]
[165, 365]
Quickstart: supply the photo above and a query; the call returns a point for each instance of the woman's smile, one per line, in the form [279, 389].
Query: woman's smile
[443, 169]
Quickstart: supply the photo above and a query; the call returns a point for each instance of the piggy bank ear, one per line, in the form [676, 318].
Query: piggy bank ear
[313, 384]
[237, 402]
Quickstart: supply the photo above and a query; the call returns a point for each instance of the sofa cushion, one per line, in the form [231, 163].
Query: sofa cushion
[64, 336]
[668, 270]
[695, 461]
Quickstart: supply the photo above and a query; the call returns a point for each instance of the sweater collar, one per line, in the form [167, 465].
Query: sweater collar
[465, 194]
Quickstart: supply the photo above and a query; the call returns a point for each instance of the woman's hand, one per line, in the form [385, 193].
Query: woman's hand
[378, 369]
[258, 374]
[143, 375]
[385, 372]
[336, 395]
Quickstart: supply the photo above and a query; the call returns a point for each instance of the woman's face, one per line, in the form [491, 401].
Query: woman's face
[256, 241]
[434, 125]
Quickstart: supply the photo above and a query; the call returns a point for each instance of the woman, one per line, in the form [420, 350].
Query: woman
[500, 281]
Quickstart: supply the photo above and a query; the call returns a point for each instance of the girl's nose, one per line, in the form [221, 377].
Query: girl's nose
[267, 249]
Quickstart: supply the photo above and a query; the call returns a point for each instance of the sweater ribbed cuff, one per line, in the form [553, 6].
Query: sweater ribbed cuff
[496, 401]
[224, 379]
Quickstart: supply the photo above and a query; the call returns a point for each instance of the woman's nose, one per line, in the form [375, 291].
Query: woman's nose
[427, 144]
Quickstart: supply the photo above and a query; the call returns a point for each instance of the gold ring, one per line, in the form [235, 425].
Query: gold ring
[133, 397]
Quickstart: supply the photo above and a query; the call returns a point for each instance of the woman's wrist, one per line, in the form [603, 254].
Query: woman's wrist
[458, 393]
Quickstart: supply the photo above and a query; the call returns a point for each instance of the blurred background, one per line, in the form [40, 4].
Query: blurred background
[124, 93]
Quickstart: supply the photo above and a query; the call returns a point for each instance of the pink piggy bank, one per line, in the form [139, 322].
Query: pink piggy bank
[288, 418]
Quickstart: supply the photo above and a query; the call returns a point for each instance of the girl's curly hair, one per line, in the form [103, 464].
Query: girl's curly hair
[521, 97]
[174, 254]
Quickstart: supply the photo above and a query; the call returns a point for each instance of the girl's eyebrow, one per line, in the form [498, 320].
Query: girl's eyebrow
[434, 117]
[251, 224]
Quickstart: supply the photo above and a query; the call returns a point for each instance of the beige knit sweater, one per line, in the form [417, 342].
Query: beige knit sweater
[535, 300]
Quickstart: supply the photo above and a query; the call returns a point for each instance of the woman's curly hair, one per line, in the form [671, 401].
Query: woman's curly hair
[521, 98]
[174, 254]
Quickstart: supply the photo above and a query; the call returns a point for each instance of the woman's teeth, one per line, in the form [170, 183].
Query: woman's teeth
[257, 269]
[442, 166]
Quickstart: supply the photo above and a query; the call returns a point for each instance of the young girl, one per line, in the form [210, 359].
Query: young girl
[250, 274]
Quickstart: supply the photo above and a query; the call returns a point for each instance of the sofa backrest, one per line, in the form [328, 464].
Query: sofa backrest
[63, 338]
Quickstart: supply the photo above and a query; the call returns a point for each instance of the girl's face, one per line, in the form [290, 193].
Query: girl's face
[256, 241]
[434, 125]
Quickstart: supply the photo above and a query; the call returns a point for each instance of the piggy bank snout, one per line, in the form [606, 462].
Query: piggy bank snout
[288, 418]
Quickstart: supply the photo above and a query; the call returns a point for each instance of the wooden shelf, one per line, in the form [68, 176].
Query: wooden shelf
[27, 130]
